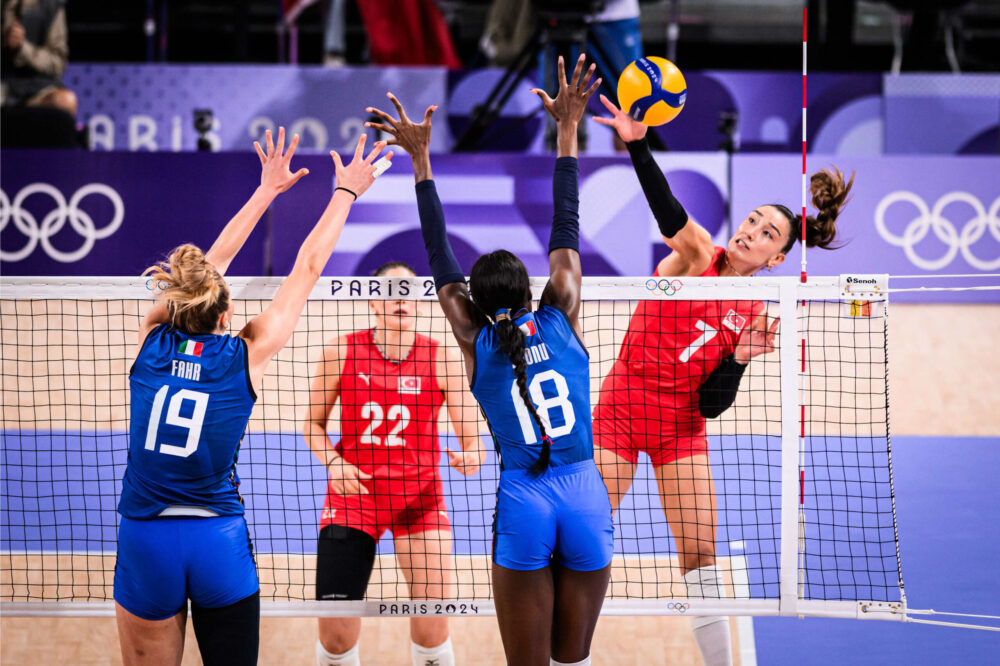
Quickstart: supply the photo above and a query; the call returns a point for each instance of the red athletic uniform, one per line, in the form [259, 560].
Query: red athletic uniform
[649, 400]
[389, 415]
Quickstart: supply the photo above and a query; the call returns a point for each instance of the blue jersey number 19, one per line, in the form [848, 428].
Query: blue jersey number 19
[543, 404]
[193, 423]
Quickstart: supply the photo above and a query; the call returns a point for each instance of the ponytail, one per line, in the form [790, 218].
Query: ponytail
[829, 194]
[193, 290]
[511, 340]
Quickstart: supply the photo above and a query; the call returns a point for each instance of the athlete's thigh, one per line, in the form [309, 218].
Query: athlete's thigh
[524, 603]
[425, 560]
[153, 642]
[579, 596]
[150, 571]
[687, 492]
[221, 569]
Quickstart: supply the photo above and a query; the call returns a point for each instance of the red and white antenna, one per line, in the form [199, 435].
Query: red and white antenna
[805, 180]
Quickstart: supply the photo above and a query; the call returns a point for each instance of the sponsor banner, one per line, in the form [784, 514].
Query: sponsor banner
[93, 213]
[906, 216]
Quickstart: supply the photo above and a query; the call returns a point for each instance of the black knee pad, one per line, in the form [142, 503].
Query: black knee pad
[228, 635]
[344, 560]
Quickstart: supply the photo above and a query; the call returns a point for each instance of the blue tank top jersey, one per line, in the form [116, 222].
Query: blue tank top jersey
[559, 384]
[191, 400]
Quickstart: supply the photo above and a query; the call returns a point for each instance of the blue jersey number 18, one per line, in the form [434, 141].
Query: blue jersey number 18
[543, 404]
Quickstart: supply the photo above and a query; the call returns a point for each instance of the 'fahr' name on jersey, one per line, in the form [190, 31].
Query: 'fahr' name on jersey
[186, 370]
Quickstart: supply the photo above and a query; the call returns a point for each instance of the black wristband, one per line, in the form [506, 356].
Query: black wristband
[348, 191]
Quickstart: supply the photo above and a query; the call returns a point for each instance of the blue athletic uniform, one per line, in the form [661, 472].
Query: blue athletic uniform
[182, 532]
[563, 514]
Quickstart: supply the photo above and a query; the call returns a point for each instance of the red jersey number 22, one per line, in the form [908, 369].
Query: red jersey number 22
[707, 333]
[398, 413]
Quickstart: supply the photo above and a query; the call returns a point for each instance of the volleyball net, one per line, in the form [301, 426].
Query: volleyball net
[801, 462]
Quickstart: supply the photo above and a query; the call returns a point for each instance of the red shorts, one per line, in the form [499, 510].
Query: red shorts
[630, 417]
[401, 506]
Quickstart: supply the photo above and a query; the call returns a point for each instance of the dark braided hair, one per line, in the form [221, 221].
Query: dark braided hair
[499, 282]
[829, 195]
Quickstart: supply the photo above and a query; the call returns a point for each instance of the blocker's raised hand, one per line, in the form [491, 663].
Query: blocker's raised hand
[756, 339]
[275, 164]
[571, 99]
[359, 175]
[414, 138]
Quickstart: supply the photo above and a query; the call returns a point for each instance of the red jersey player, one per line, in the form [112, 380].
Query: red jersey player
[391, 382]
[681, 361]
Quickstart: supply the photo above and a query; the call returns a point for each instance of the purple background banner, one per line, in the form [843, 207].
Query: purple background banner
[149, 107]
[93, 213]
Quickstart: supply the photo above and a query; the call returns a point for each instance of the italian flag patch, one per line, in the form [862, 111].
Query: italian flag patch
[190, 347]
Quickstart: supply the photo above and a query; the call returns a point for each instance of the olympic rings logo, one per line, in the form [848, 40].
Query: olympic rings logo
[663, 286]
[678, 607]
[54, 221]
[931, 220]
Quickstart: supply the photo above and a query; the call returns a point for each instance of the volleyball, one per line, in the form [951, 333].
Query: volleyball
[652, 90]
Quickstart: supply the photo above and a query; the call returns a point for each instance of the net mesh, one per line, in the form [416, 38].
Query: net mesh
[65, 441]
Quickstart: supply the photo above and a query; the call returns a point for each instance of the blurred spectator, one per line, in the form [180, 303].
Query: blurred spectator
[414, 32]
[35, 51]
[335, 34]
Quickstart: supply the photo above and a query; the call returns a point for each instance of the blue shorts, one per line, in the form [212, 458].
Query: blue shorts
[563, 516]
[163, 562]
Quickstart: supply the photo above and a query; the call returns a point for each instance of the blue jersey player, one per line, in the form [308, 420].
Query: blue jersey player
[183, 535]
[553, 535]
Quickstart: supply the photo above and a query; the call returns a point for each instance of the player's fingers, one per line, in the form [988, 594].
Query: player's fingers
[610, 106]
[399, 107]
[296, 176]
[382, 127]
[593, 88]
[586, 77]
[359, 150]
[336, 159]
[561, 72]
[292, 146]
[610, 122]
[281, 141]
[429, 112]
[376, 149]
[362, 475]
[270, 143]
[774, 325]
[578, 70]
[542, 95]
[382, 114]
[260, 152]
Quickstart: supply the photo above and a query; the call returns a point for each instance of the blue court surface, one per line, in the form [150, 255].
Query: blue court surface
[59, 490]
[947, 496]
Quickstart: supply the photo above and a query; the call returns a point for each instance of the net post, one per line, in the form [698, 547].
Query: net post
[788, 342]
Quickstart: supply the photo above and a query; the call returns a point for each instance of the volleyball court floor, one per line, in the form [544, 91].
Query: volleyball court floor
[946, 500]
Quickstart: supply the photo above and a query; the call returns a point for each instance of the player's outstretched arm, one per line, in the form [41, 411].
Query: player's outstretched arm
[563, 287]
[463, 410]
[268, 332]
[275, 177]
[692, 244]
[452, 292]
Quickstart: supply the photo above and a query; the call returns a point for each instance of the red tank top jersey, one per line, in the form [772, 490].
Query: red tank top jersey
[389, 411]
[673, 345]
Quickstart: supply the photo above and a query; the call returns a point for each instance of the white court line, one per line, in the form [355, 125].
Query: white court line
[741, 590]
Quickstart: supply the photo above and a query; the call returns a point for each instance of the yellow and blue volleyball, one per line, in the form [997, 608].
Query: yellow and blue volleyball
[652, 90]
